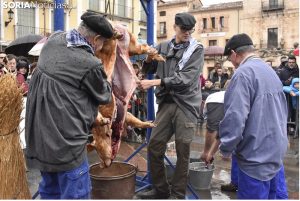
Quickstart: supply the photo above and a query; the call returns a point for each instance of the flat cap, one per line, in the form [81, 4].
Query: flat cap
[98, 24]
[237, 41]
[185, 20]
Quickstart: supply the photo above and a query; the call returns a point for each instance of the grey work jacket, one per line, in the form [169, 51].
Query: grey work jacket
[181, 85]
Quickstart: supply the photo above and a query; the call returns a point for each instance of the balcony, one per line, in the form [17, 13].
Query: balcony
[117, 11]
[22, 30]
[276, 6]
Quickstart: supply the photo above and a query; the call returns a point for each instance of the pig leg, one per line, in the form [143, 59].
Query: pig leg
[132, 121]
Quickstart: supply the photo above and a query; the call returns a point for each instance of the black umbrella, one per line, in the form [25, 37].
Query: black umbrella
[22, 45]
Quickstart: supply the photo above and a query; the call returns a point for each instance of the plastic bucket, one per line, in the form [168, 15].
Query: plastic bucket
[200, 175]
[114, 182]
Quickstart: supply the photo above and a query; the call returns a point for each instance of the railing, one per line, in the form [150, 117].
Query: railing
[277, 5]
[22, 30]
[118, 11]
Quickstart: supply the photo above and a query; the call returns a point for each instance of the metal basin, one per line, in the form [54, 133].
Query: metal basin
[114, 182]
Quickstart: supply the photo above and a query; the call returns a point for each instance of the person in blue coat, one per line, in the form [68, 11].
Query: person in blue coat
[255, 121]
[293, 90]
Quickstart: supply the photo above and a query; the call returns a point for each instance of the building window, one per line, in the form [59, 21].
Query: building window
[26, 22]
[122, 9]
[162, 28]
[212, 42]
[204, 20]
[94, 5]
[273, 3]
[222, 21]
[143, 34]
[273, 38]
[213, 22]
[162, 13]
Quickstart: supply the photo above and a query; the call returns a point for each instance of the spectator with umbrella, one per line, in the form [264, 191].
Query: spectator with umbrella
[22, 45]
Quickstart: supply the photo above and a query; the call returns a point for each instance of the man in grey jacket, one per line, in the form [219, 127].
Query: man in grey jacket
[178, 94]
[65, 91]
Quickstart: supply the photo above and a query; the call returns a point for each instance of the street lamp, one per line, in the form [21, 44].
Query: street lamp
[10, 16]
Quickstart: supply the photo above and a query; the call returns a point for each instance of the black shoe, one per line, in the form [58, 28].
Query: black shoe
[229, 187]
[152, 194]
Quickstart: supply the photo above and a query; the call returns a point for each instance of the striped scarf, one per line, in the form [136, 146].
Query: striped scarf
[190, 46]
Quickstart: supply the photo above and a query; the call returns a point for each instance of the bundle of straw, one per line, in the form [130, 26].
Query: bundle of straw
[13, 181]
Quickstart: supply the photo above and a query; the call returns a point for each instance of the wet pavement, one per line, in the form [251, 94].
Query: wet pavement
[220, 176]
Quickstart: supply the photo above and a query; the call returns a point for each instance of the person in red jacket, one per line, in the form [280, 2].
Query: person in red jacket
[22, 72]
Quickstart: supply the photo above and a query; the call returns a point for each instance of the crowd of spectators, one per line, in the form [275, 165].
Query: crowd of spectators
[287, 71]
[20, 67]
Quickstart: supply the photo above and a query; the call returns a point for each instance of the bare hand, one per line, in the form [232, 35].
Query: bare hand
[292, 93]
[203, 156]
[146, 84]
[152, 52]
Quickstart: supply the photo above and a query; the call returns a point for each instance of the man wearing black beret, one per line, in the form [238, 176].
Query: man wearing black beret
[255, 123]
[66, 89]
[179, 96]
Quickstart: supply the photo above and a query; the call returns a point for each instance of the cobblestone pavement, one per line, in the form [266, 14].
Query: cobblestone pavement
[221, 174]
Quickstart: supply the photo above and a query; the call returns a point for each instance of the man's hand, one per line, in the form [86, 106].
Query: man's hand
[209, 158]
[146, 84]
[152, 52]
[203, 156]
[292, 93]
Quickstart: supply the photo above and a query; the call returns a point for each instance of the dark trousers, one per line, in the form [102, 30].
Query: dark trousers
[171, 120]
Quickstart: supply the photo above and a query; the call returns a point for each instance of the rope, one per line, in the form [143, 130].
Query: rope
[5, 135]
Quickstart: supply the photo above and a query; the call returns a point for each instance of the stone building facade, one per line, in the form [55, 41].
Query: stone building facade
[272, 24]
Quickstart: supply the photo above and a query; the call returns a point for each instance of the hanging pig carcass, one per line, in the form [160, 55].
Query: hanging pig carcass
[111, 117]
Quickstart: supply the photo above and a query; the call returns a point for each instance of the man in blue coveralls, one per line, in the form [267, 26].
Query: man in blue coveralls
[254, 125]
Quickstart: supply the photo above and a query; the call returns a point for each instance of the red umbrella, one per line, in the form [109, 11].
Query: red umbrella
[213, 51]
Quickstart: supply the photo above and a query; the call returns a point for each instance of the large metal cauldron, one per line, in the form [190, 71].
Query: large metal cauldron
[114, 182]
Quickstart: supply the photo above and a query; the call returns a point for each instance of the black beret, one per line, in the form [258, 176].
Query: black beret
[237, 41]
[98, 24]
[185, 20]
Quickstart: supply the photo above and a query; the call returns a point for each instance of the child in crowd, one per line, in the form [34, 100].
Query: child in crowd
[293, 90]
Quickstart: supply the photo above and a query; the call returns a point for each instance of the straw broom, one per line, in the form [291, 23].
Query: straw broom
[13, 181]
